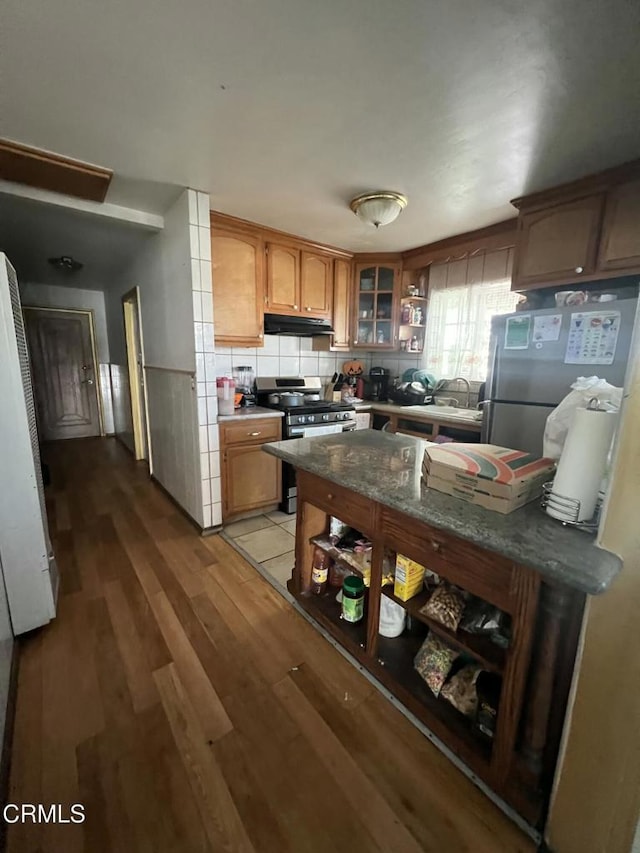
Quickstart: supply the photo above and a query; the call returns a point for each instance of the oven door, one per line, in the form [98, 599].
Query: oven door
[299, 431]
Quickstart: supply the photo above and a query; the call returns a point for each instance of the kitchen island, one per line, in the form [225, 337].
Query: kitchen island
[530, 567]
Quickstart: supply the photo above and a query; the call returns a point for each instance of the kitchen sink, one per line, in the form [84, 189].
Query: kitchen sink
[450, 412]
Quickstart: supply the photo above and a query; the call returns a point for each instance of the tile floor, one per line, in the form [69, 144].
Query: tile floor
[269, 540]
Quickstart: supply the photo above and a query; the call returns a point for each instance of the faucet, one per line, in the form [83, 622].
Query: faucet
[467, 383]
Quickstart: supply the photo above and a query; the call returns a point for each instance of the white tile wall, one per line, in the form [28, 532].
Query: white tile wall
[286, 356]
[208, 365]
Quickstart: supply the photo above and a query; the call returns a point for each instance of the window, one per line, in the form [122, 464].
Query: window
[463, 297]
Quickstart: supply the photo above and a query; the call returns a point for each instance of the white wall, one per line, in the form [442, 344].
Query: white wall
[50, 296]
[162, 271]
[166, 270]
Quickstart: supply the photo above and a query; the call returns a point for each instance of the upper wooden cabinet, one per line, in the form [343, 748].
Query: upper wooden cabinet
[341, 311]
[283, 279]
[298, 281]
[316, 284]
[376, 305]
[620, 244]
[341, 303]
[238, 287]
[583, 231]
[558, 243]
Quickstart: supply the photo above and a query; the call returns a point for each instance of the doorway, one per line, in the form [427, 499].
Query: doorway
[135, 364]
[63, 364]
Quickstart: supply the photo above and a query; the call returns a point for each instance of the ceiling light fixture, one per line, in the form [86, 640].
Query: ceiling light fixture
[66, 263]
[379, 208]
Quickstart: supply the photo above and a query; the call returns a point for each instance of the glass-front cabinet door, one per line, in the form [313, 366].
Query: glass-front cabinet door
[375, 306]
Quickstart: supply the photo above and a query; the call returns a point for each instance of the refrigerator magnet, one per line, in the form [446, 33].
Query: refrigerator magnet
[517, 332]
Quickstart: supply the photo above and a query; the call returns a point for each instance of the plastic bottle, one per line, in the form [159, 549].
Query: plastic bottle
[319, 571]
[352, 599]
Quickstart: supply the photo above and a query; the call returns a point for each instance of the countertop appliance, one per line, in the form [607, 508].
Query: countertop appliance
[529, 373]
[313, 417]
[378, 382]
[244, 379]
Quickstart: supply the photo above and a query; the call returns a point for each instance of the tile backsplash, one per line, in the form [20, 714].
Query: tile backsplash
[284, 355]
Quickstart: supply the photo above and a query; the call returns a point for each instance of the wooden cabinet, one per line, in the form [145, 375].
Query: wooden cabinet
[316, 284]
[584, 231]
[238, 287]
[341, 303]
[251, 478]
[283, 279]
[375, 321]
[620, 244]
[341, 311]
[298, 281]
[558, 243]
[534, 670]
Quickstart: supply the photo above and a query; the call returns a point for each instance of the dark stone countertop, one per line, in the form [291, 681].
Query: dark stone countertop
[388, 469]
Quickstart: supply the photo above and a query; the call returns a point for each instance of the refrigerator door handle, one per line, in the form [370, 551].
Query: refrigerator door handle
[487, 418]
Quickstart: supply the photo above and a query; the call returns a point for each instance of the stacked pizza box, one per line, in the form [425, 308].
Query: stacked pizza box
[493, 477]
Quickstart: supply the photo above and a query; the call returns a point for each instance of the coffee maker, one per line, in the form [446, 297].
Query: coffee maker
[378, 382]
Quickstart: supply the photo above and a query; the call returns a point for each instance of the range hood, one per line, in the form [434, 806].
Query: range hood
[305, 327]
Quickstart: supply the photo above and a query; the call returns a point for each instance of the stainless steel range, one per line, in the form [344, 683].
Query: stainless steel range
[305, 415]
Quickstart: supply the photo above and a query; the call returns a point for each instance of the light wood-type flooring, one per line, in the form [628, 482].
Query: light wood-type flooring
[189, 707]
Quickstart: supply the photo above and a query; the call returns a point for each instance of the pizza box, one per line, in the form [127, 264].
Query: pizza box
[496, 504]
[492, 470]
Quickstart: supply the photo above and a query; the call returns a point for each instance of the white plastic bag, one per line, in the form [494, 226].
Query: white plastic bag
[584, 388]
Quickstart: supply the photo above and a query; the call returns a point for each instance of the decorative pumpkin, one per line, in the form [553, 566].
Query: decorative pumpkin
[353, 368]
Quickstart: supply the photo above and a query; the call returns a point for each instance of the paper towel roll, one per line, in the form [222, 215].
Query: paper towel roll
[582, 464]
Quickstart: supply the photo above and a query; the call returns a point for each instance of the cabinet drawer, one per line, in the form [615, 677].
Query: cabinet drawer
[483, 573]
[355, 510]
[251, 431]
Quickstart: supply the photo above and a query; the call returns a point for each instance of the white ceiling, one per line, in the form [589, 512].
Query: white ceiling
[31, 233]
[284, 109]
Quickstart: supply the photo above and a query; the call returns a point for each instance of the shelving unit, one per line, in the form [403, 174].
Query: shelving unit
[518, 762]
[375, 306]
[393, 658]
[490, 656]
[411, 309]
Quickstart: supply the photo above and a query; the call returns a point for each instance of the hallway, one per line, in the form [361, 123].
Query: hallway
[188, 707]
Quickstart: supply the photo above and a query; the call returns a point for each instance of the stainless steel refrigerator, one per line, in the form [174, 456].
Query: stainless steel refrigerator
[532, 364]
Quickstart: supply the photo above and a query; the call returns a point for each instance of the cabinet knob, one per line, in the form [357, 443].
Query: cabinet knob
[295, 307]
[261, 336]
[308, 309]
[436, 545]
[579, 269]
[329, 497]
[254, 433]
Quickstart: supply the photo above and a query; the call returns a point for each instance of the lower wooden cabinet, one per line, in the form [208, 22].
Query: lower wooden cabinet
[251, 478]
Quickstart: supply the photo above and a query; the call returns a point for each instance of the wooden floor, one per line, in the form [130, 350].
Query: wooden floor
[189, 708]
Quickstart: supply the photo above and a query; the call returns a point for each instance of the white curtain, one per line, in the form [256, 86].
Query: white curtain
[463, 297]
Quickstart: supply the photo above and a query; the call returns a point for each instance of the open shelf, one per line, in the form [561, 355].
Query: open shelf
[488, 654]
[396, 658]
[327, 611]
[335, 553]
